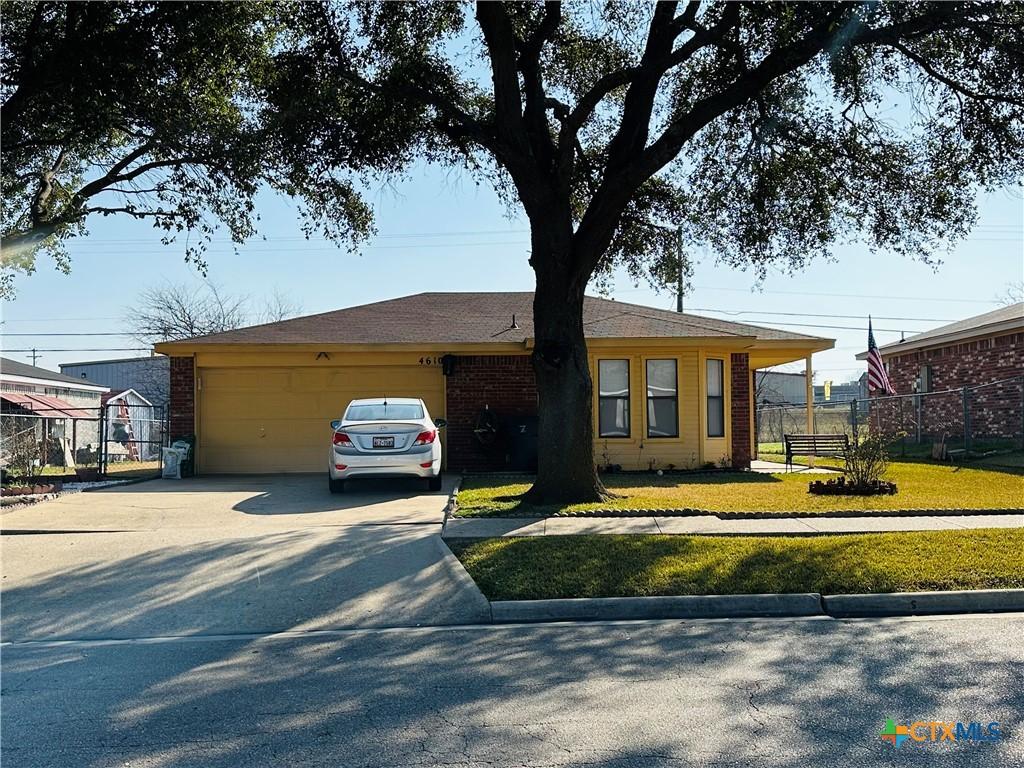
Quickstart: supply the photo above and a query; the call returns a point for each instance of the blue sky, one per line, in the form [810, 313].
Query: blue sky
[440, 231]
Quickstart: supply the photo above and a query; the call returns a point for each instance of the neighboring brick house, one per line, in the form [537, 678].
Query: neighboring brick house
[670, 390]
[984, 354]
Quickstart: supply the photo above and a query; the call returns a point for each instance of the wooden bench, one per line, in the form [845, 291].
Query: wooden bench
[815, 445]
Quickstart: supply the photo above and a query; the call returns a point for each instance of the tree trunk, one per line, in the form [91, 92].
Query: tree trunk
[565, 469]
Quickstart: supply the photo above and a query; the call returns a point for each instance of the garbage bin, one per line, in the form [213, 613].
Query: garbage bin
[187, 446]
[522, 442]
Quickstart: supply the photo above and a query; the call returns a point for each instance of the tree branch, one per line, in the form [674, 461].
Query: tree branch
[535, 112]
[949, 82]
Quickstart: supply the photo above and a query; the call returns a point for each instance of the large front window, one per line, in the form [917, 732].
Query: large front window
[716, 398]
[662, 399]
[613, 398]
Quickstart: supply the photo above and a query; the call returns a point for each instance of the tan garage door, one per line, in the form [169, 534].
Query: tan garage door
[277, 419]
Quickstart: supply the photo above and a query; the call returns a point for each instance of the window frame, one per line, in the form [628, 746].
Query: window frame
[627, 398]
[648, 397]
[708, 397]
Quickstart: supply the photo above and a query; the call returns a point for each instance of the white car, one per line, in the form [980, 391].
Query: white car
[385, 437]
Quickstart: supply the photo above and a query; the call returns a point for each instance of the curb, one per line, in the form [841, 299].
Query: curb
[924, 603]
[676, 607]
[759, 515]
[796, 604]
[461, 577]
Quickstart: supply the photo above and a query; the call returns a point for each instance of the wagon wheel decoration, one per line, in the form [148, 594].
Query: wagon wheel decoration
[486, 428]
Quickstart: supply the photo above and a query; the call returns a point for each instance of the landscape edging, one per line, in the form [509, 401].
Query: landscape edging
[796, 604]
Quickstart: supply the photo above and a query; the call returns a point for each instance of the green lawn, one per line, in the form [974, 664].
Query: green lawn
[533, 568]
[922, 485]
[118, 470]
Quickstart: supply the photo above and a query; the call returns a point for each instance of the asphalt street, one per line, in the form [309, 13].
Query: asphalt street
[811, 692]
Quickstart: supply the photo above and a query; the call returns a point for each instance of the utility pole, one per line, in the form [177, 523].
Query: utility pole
[679, 270]
[35, 355]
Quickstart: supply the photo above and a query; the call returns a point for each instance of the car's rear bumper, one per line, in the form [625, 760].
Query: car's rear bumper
[394, 465]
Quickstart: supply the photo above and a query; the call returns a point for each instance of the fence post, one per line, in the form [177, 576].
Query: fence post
[919, 403]
[853, 419]
[967, 421]
[101, 449]
[1022, 413]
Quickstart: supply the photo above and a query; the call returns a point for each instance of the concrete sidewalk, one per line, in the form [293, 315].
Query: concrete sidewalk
[489, 527]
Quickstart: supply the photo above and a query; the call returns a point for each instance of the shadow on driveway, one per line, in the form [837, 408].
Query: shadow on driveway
[107, 585]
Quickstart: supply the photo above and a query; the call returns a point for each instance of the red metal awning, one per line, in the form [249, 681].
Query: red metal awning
[48, 406]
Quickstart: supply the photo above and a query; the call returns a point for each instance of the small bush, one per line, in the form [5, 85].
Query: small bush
[867, 462]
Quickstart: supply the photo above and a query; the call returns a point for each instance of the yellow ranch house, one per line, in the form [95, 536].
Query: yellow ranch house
[670, 390]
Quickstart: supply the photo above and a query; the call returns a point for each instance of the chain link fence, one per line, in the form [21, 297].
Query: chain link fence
[115, 440]
[987, 418]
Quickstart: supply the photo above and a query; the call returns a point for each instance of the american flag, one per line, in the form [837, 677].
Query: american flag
[878, 379]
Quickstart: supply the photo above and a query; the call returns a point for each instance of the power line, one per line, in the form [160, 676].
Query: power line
[850, 295]
[277, 238]
[841, 327]
[76, 333]
[999, 230]
[810, 314]
[60, 319]
[89, 349]
[336, 248]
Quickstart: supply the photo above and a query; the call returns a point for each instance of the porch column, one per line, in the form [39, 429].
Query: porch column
[809, 381]
[809, 376]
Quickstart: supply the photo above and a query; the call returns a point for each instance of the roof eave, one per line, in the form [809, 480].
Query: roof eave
[945, 339]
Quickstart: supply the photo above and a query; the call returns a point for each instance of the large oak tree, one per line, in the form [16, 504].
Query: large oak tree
[767, 131]
[155, 111]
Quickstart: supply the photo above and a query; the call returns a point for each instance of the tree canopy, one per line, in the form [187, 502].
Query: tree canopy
[150, 110]
[766, 131]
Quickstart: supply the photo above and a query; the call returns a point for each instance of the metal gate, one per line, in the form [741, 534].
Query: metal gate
[131, 439]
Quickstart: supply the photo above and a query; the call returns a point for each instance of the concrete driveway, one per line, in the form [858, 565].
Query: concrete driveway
[227, 556]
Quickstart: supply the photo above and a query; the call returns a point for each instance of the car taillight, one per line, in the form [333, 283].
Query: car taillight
[340, 438]
[423, 438]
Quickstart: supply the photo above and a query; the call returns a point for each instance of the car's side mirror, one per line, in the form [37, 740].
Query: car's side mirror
[440, 423]
[336, 424]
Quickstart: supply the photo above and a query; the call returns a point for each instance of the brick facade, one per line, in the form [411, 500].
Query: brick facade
[182, 411]
[740, 385]
[504, 384]
[993, 412]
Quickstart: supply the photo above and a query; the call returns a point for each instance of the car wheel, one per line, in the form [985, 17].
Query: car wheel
[336, 486]
[434, 483]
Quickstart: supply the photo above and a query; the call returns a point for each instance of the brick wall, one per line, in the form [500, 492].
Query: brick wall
[740, 384]
[994, 412]
[503, 383]
[182, 411]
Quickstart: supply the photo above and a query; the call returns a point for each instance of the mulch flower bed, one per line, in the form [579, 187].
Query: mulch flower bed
[839, 487]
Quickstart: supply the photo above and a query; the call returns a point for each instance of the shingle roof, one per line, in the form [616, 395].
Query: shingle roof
[979, 323]
[431, 318]
[15, 368]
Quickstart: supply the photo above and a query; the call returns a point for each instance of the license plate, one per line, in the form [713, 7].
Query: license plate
[383, 442]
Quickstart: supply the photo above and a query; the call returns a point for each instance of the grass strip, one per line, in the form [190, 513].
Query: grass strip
[533, 568]
[922, 485]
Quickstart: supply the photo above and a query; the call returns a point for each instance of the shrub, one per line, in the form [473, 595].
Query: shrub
[867, 461]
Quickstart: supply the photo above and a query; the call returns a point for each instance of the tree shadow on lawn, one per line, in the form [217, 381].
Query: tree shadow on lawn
[617, 483]
[532, 568]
